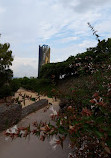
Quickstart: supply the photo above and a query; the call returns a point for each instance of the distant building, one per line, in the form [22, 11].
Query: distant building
[44, 56]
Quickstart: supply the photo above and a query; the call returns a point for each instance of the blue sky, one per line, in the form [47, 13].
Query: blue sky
[62, 24]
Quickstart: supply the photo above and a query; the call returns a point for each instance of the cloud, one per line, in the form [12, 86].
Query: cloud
[25, 71]
[25, 67]
[86, 44]
[82, 6]
[62, 24]
[104, 27]
[2, 10]
[68, 39]
[62, 54]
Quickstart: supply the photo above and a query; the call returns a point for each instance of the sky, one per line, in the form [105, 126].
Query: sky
[61, 24]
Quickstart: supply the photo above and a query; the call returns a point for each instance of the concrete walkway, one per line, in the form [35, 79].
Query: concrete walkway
[32, 147]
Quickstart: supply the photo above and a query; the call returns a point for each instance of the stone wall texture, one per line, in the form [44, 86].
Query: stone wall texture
[10, 115]
[34, 107]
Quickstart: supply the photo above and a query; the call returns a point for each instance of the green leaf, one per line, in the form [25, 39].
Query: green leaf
[99, 119]
[109, 132]
[28, 128]
[109, 142]
[33, 99]
[62, 130]
[99, 135]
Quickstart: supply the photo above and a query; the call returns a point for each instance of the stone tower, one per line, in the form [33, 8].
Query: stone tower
[44, 56]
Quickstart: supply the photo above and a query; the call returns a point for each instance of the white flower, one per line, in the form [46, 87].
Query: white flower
[92, 106]
[8, 131]
[70, 65]
[100, 99]
[54, 147]
[22, 132]
[12, 130]
[54, 111]
[65, 117]
[95, 100]
[53, 142]
[109, 66]
[7, 138]
[61, 121]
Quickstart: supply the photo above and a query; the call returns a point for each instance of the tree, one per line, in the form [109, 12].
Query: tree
[6, 73]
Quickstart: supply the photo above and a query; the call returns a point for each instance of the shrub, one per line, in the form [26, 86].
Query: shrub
[5, 72]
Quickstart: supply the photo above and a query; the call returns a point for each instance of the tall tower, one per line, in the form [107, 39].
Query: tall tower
[44, 56]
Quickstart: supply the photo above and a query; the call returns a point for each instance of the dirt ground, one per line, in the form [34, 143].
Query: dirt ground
[29, 96]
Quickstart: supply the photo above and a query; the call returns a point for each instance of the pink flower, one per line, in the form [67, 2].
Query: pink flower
[69, 108]
[42, 138]
[93, 101]
[45, 128]
[95, 94]
[86, 112]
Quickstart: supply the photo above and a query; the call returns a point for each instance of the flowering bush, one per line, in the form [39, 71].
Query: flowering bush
[89, 130]
[85, 63]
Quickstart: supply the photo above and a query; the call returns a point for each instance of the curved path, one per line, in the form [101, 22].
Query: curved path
[32, 147]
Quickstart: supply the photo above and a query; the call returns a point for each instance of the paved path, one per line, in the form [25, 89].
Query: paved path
[32, 147]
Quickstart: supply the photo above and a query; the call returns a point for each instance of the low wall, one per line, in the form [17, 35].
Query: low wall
[34, 107]
[10, 115]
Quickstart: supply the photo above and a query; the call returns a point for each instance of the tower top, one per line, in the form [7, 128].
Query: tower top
[44, 56]
[44, 46]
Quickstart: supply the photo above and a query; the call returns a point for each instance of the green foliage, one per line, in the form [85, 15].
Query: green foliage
[15, 84]
[5, 91]
[80, 89]
[55, 69]
[5, 71]
[81, 64]
[43, 86]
